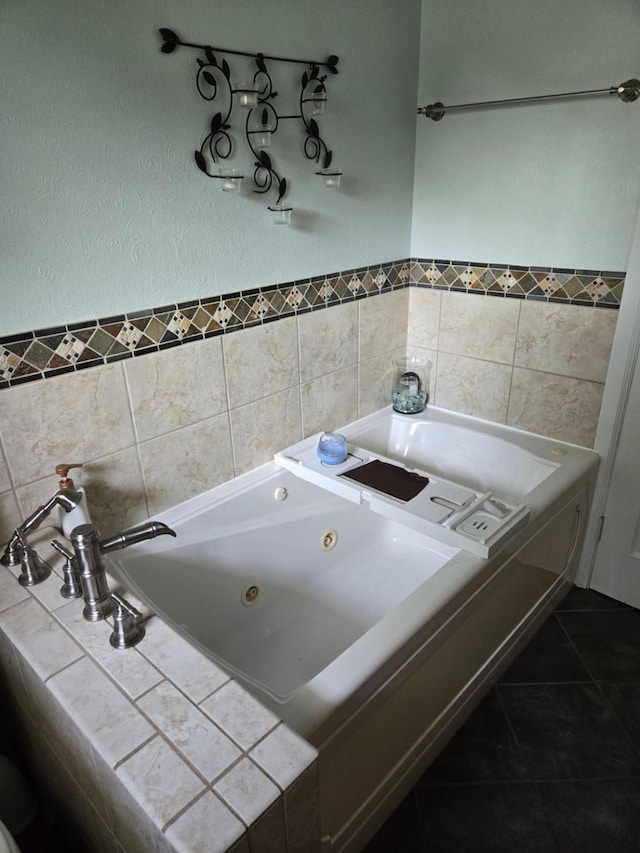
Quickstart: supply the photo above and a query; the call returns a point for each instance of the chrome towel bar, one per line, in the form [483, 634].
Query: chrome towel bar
[627, 92]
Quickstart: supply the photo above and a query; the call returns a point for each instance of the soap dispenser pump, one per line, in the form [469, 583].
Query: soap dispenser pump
[80, 514]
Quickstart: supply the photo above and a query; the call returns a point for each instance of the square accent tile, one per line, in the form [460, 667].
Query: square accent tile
[70, 348]
[38, 355]
[179, 324]
[222, 315]
[129, 336]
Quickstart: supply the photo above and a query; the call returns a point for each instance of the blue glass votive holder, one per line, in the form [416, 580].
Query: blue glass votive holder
[332, 448]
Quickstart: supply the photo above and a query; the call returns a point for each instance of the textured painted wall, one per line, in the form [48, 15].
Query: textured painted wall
[553, 184]
[103, 209]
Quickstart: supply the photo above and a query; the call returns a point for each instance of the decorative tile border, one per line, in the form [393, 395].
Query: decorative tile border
[45, 353]
[553, 284]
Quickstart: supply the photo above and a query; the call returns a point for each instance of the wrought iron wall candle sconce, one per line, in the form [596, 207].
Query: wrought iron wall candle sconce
[256, 97]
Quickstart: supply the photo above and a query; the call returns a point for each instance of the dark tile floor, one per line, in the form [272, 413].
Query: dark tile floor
[550, 761]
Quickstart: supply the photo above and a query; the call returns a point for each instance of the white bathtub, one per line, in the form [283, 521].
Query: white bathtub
[372, 640]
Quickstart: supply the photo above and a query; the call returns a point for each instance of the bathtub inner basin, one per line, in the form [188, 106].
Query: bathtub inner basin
[277, 589]
[481, 459]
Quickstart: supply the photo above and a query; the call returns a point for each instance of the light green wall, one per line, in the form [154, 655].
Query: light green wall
[103, 210]
[551, 184]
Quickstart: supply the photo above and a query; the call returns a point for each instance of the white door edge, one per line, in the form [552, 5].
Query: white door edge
[622, 365]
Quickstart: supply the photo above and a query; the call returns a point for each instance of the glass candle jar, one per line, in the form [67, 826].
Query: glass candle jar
[332, 448]
[281, 213]
[410, 384]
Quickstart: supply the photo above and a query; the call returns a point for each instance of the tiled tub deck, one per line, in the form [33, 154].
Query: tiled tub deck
[153, 748]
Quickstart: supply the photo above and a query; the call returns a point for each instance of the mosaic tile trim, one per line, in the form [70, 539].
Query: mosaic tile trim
[45, 353]
[601, 289]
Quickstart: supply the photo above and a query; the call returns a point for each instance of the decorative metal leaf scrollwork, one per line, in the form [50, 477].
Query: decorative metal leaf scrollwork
[170, 40]
[312, 84]
[214, 76]
[265, 176]
[218, 142]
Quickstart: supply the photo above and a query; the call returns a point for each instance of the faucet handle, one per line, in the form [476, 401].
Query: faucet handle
[34, 569]
[71, 587]
[127, 631]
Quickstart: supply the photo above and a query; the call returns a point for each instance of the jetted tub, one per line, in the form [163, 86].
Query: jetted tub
[372, 640]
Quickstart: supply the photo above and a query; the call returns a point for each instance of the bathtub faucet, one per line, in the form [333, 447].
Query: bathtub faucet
[89, 548]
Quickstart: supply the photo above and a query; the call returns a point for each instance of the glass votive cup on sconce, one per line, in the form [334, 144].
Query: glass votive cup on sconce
[316, 103]
[247, 94]
[262, 136]
[331, 177]
[231, 179]
[281, 213]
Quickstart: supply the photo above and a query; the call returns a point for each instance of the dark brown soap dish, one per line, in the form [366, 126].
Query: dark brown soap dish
[390, 479]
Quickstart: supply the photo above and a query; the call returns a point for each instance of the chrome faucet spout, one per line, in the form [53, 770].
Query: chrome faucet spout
[89, 548]
[140, 533]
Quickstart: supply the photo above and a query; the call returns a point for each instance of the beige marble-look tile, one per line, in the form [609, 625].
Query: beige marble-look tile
[10, 516]
[189, 669]
[72, 749]
[39, 638]
[10, 590]
[114, 491]
[482, 327]
[571, 340]
[328, 340]
[424, 318]
[473, 387]
[12, 684]
[135, 829]
[108, 719]
[432, 357]
[264, 427]
[207, 826]
[129, 668]
[330, 401]
[284, 755]
[302, 810]
[261, 361]
[160, 781]
[247, 790]
[76, 417]
[203, 744]
[556, 406]
[241, 716]
[176, 387]
[67, 794]
[187, 462]
[375, 376]
[383, 323]
[5, 477]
